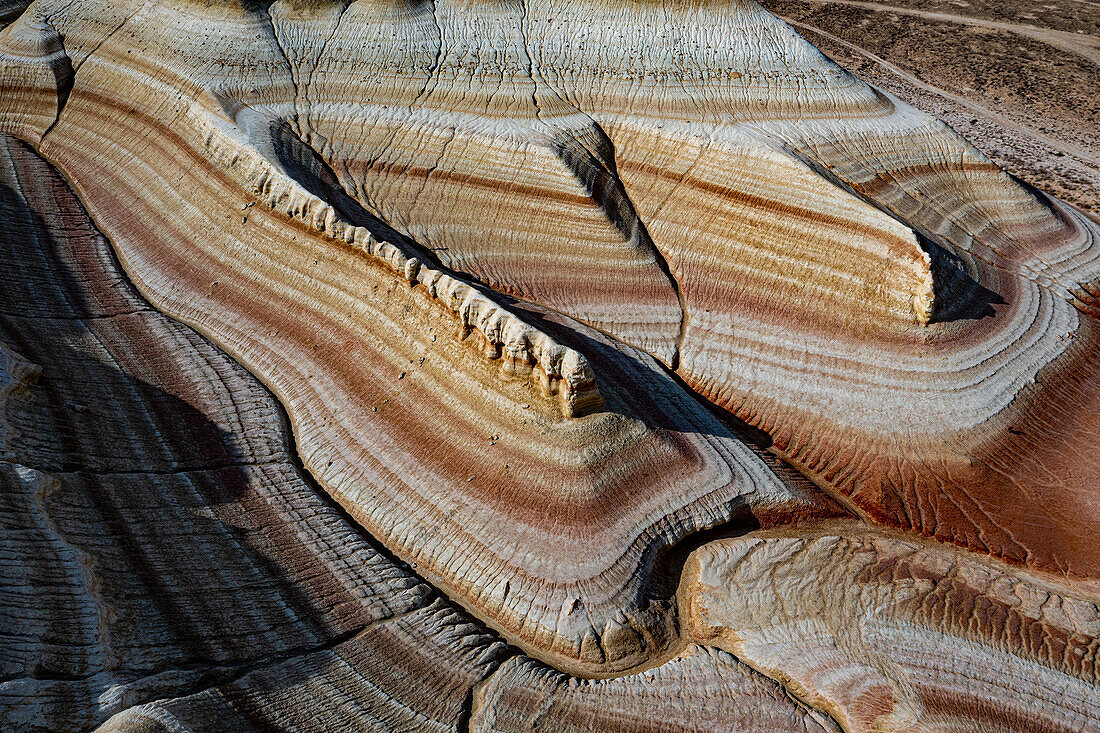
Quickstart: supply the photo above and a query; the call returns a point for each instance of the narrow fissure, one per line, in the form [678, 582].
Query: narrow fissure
[597, 173]
[64, 78]
[472, 704]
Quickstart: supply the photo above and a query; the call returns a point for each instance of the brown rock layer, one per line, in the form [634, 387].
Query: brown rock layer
[480, 253]
[888, 633]
[155, 532]
[458, 466]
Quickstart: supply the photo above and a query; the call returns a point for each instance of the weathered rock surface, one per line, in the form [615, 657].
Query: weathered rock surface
[809, 225]
[156, 534]
[458, 465]
[887, 633]
[553, 296]
[165, 562]
[360, 684]
[701, 689]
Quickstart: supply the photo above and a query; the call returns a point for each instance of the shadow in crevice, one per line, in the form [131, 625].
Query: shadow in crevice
[595, 169]
[64, 76]
[669, 562]
[632, 382]
[618, 369]
[957, 294]
[302, 163]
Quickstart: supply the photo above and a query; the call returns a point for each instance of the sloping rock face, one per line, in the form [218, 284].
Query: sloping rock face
[913, 637]
[468, 366]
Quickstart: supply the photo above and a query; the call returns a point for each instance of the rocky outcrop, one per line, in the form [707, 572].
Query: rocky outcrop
[552, 297]
[886, 633]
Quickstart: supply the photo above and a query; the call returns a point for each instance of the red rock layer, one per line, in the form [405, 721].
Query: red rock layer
[553, 530]
[159, 544]
[913, 328]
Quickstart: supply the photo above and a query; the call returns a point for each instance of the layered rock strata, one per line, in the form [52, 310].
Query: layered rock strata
[547, 293]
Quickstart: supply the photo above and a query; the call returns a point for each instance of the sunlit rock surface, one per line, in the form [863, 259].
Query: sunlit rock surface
[383, 366]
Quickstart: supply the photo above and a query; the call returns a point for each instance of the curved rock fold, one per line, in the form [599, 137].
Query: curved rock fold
[642, 370]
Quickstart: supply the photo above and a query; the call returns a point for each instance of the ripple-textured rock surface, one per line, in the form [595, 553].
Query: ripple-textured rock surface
[888, 634]
[1014, 78]
[551, 299]
[901, 317]
[167, 567]
[702, 688]
[156, 534]
[441, 419]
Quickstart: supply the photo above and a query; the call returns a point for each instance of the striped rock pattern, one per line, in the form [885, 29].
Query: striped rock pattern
[165, 564]
[363, 684]
[360, 684]
[888, 633]
[1015, 78]
[156, 534]
[905, 321]
[439, 418]
[480, 254]
[700, 689]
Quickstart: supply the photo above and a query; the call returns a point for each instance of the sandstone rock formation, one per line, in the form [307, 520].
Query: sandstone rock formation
[559, 301]
[911, 637]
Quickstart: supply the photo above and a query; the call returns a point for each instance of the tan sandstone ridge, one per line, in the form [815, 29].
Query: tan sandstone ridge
[467, 366]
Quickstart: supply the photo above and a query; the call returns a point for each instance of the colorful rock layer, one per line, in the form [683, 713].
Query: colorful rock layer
[371, 365]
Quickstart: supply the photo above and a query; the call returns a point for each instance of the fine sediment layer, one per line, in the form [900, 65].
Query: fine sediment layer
[907, 636]
[458, 468]
[480, 254]
[910, 325]
[167, 566]
[156, 535]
